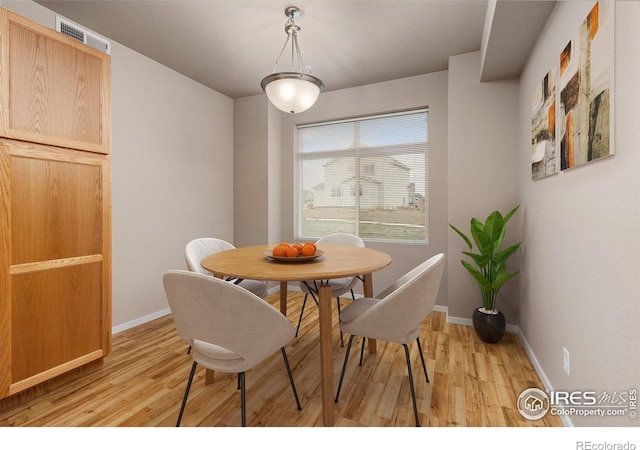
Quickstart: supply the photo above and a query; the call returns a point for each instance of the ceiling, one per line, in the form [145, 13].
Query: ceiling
[230, 45]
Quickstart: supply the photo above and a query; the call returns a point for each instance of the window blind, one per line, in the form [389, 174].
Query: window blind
[367, 176]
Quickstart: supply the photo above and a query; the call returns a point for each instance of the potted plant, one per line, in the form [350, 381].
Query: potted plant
[489, 268]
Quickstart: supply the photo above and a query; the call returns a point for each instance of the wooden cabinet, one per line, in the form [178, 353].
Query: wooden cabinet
[55, 205]
[53, 89]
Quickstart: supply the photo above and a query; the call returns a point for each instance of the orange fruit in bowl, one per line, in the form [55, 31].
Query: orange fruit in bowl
[308, 249]
[284, 244]
[298, 246]
[291, 252]
[279, 250]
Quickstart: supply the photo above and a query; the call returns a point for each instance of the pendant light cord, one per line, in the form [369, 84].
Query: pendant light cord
[292, 30]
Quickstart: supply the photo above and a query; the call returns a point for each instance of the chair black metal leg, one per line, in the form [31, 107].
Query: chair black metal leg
[341, 338]
[243, 400]
[413, 392]
[344, 366]
[362, 349]
[304, 303]
[312, 290]
[186, 392]
[293, 386]
[424, 366]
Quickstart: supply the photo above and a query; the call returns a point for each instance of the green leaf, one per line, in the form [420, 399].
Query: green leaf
[511, 213]
[481, 238]
[499, 281]
[480, 260]
[463, 236]
[494, 227]
[506, 253]
[484, 284]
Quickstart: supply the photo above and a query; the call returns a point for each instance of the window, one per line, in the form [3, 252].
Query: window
[369, 169]
[384, 158]
[336, 191]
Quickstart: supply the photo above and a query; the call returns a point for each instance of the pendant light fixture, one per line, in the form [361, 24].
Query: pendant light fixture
[292, 92]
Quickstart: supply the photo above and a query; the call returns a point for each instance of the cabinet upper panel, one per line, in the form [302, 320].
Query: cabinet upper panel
[54, 90]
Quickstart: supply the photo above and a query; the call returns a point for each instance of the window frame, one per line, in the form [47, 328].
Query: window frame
[298, 191]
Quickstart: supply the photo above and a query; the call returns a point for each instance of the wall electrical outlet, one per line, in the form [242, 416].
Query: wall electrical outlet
[565, 360]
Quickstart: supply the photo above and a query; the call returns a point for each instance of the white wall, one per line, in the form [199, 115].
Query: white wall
[172, 172]
[581, 263]
[172, 161]
[251, 171]
[482, 155]
[274, 158]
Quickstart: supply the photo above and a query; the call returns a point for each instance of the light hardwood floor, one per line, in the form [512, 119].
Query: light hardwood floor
[142, 382]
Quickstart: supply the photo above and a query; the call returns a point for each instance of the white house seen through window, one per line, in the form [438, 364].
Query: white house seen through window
[384, 158]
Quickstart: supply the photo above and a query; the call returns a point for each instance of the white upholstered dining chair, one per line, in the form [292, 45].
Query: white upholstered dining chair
[229, 329]
[199, 248]
[395, 315]
[339, 286]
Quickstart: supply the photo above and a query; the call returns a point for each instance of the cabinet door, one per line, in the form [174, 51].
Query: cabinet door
[55, 263]
[53, 89]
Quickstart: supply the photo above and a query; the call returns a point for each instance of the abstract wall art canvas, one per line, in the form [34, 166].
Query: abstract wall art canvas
[585, 122]
[543, 125]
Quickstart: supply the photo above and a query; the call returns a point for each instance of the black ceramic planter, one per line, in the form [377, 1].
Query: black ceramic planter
[489, 327]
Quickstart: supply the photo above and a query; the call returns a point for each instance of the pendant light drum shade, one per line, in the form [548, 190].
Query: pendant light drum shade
[292, 92]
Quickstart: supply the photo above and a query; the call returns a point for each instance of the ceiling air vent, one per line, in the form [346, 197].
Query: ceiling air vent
[80, 34]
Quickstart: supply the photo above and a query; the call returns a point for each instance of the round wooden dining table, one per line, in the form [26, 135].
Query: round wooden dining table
[334, 261]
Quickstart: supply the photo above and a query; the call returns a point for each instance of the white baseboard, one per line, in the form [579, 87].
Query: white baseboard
[277, 289]
[543, 377]
[469, 322]
[139, 321]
